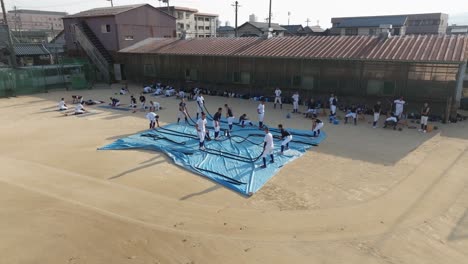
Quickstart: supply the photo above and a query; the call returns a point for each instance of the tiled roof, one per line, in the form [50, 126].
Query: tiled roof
[30, 49]
[293, 29]
[106, 11]
[225, 28]
[396, 21]
[263, 26]
[421, 48]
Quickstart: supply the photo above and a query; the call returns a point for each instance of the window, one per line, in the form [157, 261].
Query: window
[351, 31]
[207, 28]
[187, 26]
[128, 37]
[201, 36]
[187, 15]
[180, 25]
[208, 36]
[180, 15]
[105, 28]
[200, 27]
[372, 31]
[207, 19]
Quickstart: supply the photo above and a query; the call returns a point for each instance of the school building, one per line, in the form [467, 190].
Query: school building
[421, 68]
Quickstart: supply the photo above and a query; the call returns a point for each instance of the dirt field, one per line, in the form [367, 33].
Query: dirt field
[363, 196]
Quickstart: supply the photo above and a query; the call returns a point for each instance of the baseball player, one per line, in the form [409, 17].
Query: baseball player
[201, 130]
[261, 113]
[133, 103]
[317, 124]
[333, 100]
[230, 118]
[153, 118]
[62, 105]
[182, 111]
[377, 110]
[114, 102]
[244, 119]
[143, 101]
[352, 112]
[399, 105]
[391, 121]
[268, 147]
[200, 103]
[295, 98]
[424, 117]
[217, 122]
[278, 98]
[79, 109]
[286, 137]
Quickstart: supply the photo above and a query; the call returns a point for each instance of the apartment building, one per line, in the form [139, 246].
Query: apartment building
[35, 20]
[191, 23]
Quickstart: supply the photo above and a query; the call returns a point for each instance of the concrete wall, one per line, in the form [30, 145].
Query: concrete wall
[427, 24]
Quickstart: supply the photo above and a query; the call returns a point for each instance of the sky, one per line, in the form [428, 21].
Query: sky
[300, 10]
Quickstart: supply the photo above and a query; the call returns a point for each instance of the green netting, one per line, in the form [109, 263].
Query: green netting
[70, 74]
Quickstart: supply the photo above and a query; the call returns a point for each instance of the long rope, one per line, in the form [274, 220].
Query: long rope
[230, 180]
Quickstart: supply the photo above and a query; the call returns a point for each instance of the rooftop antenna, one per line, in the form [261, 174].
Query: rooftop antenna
[307, 21]
[289, 16]
[269, 17]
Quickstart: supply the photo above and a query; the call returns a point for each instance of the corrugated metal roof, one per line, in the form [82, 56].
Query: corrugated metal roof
[397, 21]
[421, 48]
[30, 49]
[106, 11]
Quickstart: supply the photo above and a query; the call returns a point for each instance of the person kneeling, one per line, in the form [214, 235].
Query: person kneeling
[392, 121]
[317, 124]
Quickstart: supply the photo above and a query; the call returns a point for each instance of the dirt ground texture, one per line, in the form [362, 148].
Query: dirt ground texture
[363, 196]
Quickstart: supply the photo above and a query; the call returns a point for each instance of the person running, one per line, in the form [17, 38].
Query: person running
[153, 118]
[261, 113]
[352, 112]
[399, 105]
[200, 103]
[278, 98]
[133, 103]
[377, 110]
[244, 119]
[230, 119]
[295, 98]
[286, 137]
[143, 101]
[114, 102]
[182, 111]
[62, 105]
[201, 130]
[317, 124]
[424, 117]
[268, 147]
[333, 100]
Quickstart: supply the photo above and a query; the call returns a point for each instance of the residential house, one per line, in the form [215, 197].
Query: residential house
[435, 23]
[226, 31]
[293, 30]
[257, 29]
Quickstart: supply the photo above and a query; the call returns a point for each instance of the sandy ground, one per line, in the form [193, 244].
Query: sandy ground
[363, 196]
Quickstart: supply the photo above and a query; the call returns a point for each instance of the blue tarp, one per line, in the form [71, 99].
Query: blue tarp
[232, 162]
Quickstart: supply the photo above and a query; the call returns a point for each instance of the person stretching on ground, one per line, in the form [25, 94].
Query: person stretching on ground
[391, 121]
[286, 137]
[133, 103]
[268, 147]
[244, 119]
[62, 106]
[114, 102]
[153, 118]
[79, 109]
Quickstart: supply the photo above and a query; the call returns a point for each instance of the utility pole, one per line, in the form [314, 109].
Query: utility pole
[289, 16]
[112, 2]
[10, 44]
[269, 18]
[307, 21]
[236, 5]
